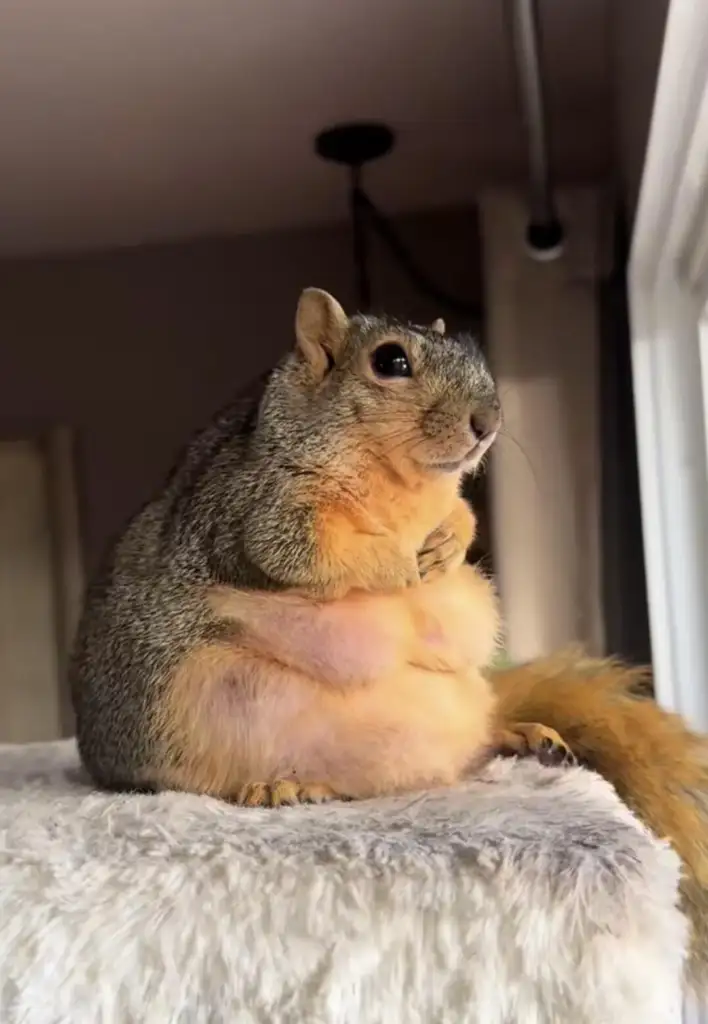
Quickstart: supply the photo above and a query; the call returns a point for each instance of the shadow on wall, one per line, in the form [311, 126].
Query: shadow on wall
[136, 348]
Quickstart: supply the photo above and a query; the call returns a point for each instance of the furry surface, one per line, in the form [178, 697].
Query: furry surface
[656, 763]
[530, 895]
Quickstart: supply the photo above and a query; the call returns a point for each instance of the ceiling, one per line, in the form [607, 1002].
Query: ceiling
[125, 121]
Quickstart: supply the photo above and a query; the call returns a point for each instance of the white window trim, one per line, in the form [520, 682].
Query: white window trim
[668, 295]
[668, 298]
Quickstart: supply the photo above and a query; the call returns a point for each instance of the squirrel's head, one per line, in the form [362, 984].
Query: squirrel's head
[416, 394]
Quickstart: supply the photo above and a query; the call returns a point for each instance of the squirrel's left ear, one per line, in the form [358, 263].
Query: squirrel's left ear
[438, 325]
[320, 327]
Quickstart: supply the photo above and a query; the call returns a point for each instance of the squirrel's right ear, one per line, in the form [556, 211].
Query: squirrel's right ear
[320, 326]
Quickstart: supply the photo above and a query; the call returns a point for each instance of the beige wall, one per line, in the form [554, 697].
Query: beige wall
[638, 32]
[136, 348]
[543, 330]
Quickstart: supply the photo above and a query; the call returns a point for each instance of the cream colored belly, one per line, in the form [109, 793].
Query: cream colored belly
[407, 707]
[413, 730]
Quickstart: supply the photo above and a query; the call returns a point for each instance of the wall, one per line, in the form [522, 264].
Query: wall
[543, 338]
[136, 348]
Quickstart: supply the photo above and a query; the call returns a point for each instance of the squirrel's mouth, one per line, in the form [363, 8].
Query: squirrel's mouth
[448, 467]
[468, 461]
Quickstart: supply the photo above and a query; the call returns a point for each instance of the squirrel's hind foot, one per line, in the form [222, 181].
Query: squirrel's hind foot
[530, 739]
[286, 793]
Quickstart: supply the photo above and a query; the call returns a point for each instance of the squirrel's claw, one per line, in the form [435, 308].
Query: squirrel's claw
[446, 547]
[285, 793]
[530, 739]
[442, 552]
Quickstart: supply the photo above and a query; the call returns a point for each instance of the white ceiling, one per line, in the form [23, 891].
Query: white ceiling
[124, 121]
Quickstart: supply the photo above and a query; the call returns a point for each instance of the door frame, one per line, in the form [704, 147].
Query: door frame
[668, 284]
[58, 446]
[668, 291]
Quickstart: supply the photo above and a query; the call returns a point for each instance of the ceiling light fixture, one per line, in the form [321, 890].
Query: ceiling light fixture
[354, 145]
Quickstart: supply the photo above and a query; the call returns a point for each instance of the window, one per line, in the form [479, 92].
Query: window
[669, 312]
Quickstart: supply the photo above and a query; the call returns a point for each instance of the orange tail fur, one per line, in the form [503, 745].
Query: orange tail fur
[656, 764]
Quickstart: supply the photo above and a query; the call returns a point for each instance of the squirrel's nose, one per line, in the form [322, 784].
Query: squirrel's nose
[486, 420]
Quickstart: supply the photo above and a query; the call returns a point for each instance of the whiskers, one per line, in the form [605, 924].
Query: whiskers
[394, 439]
[506, 437]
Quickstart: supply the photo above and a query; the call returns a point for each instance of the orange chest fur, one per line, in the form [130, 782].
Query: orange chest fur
[378, 501]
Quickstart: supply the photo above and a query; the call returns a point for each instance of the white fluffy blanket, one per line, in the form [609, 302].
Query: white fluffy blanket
[530, 896]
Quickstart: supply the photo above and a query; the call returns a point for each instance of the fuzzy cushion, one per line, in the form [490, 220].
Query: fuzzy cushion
[530, 895]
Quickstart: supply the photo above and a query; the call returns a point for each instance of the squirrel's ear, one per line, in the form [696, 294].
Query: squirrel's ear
[438, 325]
[320, 325]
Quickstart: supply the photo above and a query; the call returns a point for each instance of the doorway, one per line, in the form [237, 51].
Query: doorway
[41, 581]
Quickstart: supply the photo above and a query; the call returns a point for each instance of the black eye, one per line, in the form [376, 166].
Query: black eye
[390, 360]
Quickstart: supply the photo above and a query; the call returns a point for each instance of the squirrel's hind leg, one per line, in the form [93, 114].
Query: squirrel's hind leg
[530, 739]
[228, 728]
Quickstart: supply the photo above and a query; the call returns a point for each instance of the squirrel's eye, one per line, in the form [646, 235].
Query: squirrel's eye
[390, 360]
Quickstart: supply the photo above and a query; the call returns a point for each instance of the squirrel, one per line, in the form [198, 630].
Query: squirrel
[292, 617]
[288, 619]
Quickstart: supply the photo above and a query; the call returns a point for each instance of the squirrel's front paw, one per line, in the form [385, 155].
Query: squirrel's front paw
[285, 793]
[446, 547]
[529, 739]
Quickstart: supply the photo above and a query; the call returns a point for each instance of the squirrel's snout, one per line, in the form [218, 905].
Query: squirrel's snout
[486, 420]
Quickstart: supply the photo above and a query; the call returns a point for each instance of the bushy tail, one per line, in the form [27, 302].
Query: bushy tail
[656, 764]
